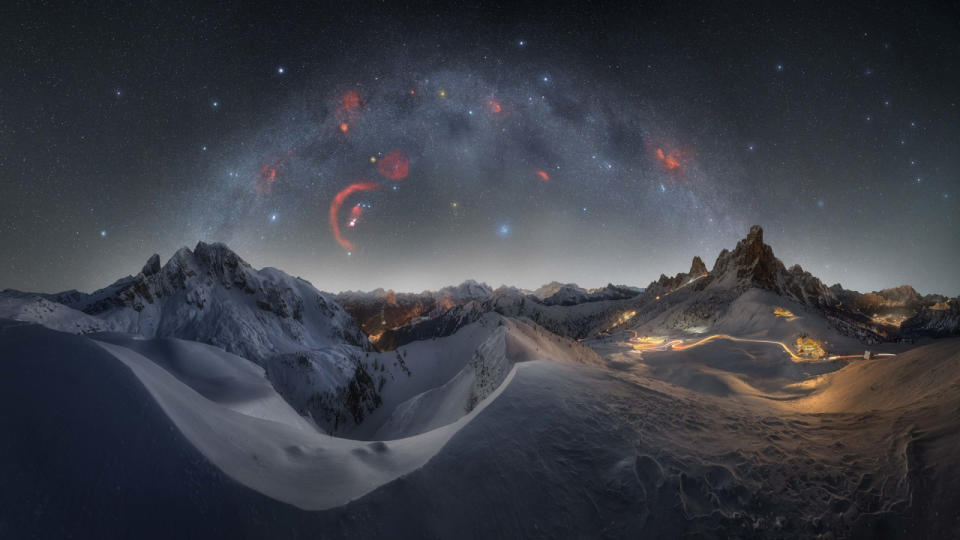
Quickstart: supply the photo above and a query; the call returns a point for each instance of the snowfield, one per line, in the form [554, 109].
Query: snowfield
[204, 398]
[557, 450]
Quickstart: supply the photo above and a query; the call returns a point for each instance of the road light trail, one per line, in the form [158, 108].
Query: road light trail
[641, 344]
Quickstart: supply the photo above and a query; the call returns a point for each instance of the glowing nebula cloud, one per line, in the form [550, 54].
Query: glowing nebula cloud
[494, 106]
[395, 165]
[348, 109]
[355, 214]
[671, 159]
[337, 203]
[543, 175]
[350, 101]
[268, 174]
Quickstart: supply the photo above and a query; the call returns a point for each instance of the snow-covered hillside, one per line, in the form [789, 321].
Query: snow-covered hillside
[37, 309]
[419, 386]
[213, 296]
[120, 435]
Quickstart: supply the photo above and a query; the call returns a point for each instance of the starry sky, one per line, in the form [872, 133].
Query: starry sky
[580, 143]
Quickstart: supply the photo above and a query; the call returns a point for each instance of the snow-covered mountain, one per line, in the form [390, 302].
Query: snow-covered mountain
[700, 299]
[213, 296]
[570, 294]
[380, 310]
[203, 397]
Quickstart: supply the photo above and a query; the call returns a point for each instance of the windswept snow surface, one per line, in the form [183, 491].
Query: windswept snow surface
[156, 438]
[36, 309]
[226, 409]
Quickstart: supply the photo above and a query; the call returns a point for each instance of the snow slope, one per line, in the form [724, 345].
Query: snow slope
[224, 408]
[53, 315]
[108, 446]
[416, 405]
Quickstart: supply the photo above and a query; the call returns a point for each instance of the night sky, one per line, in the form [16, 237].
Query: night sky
[582, 144]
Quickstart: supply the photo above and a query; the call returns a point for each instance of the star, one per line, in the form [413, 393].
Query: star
[103, 234]
[280, 70]
[751, 147]
[779, 67]
[504, 231]
[273, 217]
[215, 104]
[522, 43]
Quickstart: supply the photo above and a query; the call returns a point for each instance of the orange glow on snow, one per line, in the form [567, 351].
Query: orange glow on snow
[784, 313]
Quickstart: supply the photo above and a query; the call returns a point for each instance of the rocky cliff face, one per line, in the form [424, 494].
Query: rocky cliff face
[753, 264]
[939, 320]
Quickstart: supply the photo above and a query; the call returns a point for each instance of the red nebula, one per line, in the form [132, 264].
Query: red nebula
[395, 165]
[543, 175]
[338, 201]
[350, 101]
[494, 106]
[355, 214]
[348, 110]
[671, 159]
[268, 174]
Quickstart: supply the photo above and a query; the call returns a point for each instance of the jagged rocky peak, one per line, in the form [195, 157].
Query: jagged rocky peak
[697, 268]
[753, 264]
[153, 265]
[751, 260]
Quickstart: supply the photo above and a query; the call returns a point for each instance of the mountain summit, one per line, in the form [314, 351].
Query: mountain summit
[212, 295]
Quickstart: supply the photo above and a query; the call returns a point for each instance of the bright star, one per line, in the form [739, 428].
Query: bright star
[280, 70]
[273, 217]
[215, 104]
[103, 234]
[504, 230]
